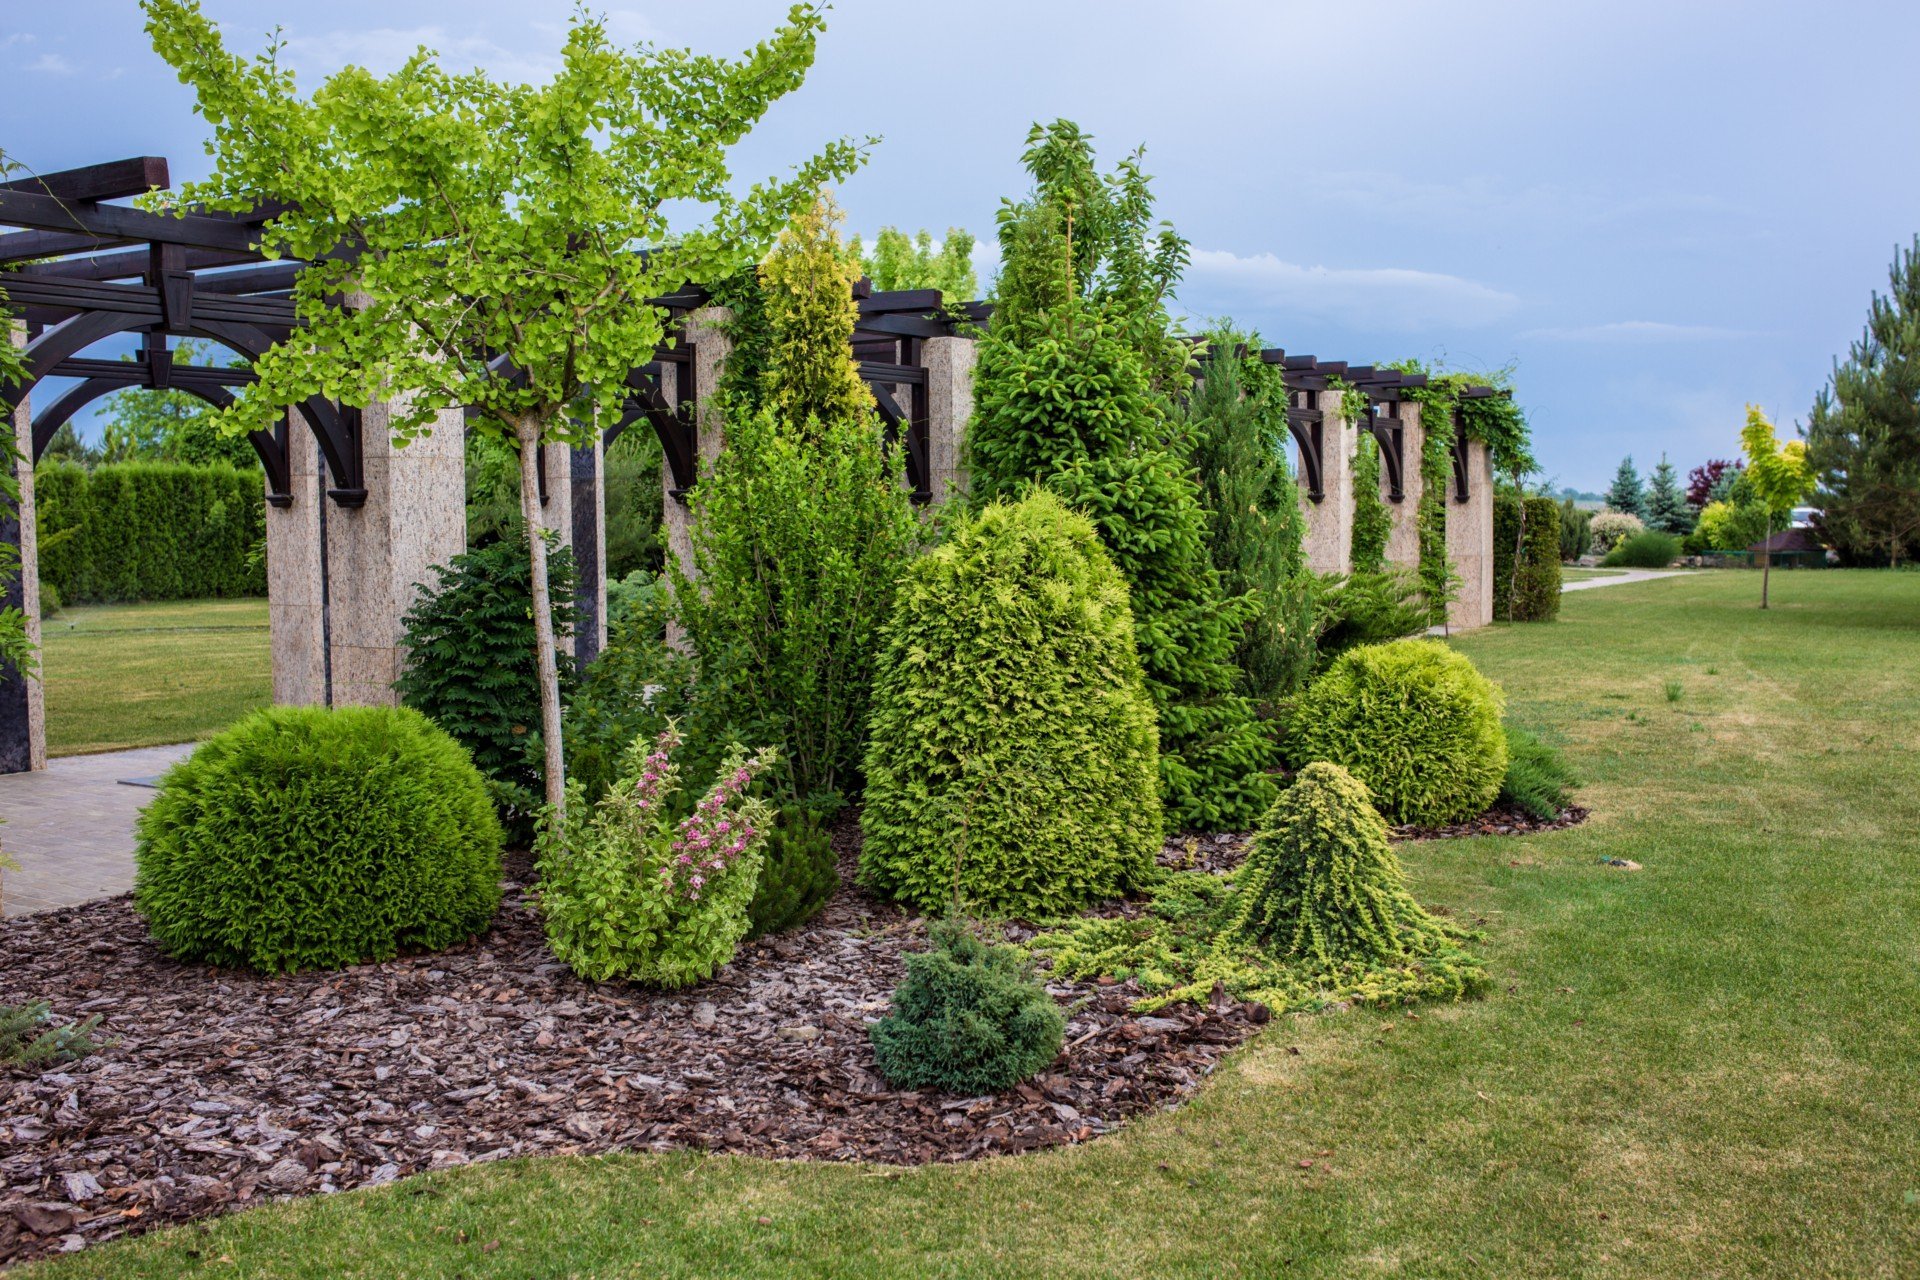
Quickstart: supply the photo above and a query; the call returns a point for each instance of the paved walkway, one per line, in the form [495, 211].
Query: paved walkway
[70, 827]
[1621, 578]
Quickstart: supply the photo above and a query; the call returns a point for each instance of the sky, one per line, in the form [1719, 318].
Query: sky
[1655, 213]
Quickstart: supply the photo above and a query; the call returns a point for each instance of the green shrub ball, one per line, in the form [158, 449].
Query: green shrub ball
[306, 838]
[1414, 721]
[1013, 759]
[969, 1019]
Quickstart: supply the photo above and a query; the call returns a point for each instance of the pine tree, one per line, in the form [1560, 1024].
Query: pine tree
[1626, 494]
[1073, 391]
[1667, 508]
[1863, 438]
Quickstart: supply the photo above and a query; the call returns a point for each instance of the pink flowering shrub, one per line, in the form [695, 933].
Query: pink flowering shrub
[629, 893]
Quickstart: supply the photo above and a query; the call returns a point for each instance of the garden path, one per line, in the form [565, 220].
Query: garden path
[70, 827]
[1623, 577]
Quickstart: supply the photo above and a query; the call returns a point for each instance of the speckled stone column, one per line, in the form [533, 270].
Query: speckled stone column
[1403, 535]
[1470, 542]
[1329, 540]
[296, 593]
[949, 364]
[380, 553]
[23, 709]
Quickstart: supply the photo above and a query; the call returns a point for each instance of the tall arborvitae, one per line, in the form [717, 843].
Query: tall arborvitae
[801, 529]
[1073, 390]
[1237, 421]
[1625, 494]
[1667, 508]
[1863, 438]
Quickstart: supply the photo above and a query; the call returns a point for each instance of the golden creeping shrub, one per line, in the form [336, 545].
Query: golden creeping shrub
[1319, 913]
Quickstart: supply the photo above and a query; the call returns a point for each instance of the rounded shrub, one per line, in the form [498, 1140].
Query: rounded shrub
[1013, 758]
[968, 1019]
[307, 838]
[1415, 722]
[1648, 549]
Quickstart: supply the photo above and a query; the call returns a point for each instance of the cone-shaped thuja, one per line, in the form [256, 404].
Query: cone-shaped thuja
[1322, 885]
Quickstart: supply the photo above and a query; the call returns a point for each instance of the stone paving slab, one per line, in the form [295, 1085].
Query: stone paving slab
[70, 827]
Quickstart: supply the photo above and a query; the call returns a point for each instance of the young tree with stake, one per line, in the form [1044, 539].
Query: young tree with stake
[1780, 478]
[498, 243]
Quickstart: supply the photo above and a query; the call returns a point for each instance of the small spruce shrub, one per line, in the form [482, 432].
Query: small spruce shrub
[798, 873]
[1415, 722]
[308, 838]
[1648, 549]
[1013, 757]
[29, 1040]
[1318, 913]
[1367, 608]
[1538, 778]
[628, 893]
[472, 667]
[969, 1019]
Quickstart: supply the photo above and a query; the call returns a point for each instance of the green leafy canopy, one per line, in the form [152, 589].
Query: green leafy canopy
[471, 219]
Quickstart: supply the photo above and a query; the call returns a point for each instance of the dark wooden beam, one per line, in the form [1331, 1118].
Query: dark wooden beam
[119, 224]
[143, 301]
[134, 262]
[113, 180]
[25, 246]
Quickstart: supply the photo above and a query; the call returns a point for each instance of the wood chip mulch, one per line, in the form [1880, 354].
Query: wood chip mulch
[1501, 820]
[224, 1090]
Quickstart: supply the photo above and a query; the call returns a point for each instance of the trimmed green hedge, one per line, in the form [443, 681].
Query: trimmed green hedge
[151, 531]
[1534, 594]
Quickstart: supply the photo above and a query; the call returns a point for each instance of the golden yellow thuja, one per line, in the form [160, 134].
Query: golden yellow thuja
[811, 379]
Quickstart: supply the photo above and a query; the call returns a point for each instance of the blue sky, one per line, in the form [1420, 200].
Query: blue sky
[1656, 211]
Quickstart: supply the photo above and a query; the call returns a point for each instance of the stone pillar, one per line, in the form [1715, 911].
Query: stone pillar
[1403, 536]
[1329, 540]
[296, 577]
[379, 554]
[588, 500]
[1470, 542]
[949, 364]
[23, 708]
[701, 333]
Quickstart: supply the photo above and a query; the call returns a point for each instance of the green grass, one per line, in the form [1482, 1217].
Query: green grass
[1703, 1068]
[136, 675]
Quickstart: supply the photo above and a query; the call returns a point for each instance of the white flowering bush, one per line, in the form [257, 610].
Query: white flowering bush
[1610, 527]
[628, 893]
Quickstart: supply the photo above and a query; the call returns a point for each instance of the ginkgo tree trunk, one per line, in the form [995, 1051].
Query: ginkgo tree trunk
[500, 241]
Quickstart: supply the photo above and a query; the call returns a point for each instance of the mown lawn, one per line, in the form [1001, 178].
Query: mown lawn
[136, 675]
[1703, 1068]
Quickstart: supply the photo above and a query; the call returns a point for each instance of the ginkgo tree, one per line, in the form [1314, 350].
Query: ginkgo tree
[497, 244]
[1780, 478]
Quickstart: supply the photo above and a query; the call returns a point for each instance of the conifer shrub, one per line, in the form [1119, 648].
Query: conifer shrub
[629, 893]
[308, 838]
[969, 1019]
[798, 873]
[1538, 778]
[472, 667]
[1648, 549]
[1318, 913]
[1526, 530]
[1415, 722]
[1013, 759]
[31, 1040]
[1357, 609]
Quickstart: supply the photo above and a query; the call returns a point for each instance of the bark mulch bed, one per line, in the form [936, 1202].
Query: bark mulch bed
[1501, 820]
[226, 1089]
